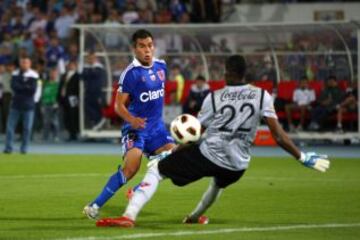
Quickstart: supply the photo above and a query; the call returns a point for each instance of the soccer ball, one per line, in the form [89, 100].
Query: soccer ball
[185, 128]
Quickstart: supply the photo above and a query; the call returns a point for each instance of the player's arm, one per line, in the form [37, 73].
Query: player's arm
[281, 137]
[311, 160]
[120, 107]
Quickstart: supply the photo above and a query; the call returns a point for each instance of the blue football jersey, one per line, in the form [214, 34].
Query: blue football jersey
[146, 88]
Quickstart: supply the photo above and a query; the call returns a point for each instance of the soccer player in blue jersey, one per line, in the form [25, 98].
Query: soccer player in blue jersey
[139, 102]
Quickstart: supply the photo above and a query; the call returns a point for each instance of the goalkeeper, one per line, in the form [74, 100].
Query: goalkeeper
[231, 116]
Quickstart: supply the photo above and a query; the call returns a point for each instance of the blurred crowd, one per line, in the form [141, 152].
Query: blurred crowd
[42, 32]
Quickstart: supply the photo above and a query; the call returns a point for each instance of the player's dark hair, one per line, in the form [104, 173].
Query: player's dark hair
[235, 67]
[140, 34]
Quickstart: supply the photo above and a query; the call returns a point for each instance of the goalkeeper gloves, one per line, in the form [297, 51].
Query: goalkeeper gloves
[315, 161]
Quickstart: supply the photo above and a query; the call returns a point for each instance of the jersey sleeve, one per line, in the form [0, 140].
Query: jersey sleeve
[127, 82]
[207, 110]
[268, 109]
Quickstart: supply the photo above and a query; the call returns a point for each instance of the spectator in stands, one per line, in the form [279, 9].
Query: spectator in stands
[43, 74]
[6, 93]
[72, 53]
[5, 53]
[221, 46]
[27, 43]
[40, 39]
[349, 104]
[130, 15]
[177, 9]
[180, 81]
[49, 106]
[94, 77]
[2, 70]
[199, 90]
[329, 99]
[111, 39]
[64, 21]
[69, 99]
[206, 11]
[267, 71]
[55, 55]
[302, 99]
[24, 84]
[37, 23]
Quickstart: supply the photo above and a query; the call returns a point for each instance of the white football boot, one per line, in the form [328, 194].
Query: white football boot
[91, 211]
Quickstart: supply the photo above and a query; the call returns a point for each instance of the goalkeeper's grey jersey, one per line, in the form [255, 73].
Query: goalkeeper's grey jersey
[231, 116]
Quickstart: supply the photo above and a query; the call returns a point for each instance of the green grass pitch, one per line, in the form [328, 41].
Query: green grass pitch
[42, 196]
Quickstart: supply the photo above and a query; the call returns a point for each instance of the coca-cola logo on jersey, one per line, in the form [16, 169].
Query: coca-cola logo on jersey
[245, 94]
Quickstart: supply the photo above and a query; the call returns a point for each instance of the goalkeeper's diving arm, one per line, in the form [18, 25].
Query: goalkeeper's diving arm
[311, 160]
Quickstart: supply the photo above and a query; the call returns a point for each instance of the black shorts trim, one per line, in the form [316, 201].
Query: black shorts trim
[188, 165]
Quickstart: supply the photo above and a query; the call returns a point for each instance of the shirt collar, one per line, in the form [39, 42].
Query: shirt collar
[137, 63]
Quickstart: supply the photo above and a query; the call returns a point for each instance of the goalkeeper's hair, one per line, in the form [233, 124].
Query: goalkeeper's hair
[140, 34]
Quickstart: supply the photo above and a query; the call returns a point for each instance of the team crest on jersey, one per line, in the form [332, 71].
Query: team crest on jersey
[161, 75]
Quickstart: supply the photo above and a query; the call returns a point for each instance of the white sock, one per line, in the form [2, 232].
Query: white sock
[209, 197]
[144, 193]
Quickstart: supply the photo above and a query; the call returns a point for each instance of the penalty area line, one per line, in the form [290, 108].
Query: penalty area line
[219, 231]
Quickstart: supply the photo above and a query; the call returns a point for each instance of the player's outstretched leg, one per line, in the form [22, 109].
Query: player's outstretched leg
[114, 183]
[209, 197]
[142, 195]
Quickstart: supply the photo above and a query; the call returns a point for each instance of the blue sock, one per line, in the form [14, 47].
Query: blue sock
[113, 184]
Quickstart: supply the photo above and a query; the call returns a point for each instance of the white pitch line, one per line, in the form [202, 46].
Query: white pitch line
[220, 231]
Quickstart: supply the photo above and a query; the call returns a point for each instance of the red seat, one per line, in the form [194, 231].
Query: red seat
[215, 85]
[169, 88]
[266, 85]
[285, 90]
[109, 111]
[317, 86]
[343, 84]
